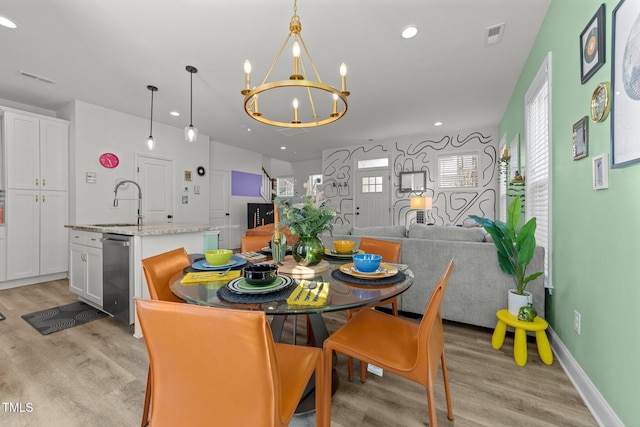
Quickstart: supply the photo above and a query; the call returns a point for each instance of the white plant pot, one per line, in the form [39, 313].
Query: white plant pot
[516, 301]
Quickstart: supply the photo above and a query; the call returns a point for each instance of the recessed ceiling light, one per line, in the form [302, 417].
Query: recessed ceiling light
[6, 22]
[283, 148]
[437, 124]
[175, 114]
[409, 32]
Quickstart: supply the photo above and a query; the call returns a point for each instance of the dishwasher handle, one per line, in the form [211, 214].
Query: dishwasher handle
[114, 241]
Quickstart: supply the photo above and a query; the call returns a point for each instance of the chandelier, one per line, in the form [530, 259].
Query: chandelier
[301, 114]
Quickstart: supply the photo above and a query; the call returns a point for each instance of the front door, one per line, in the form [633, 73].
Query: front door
[155, 176]
[219, 209]
[372, 203]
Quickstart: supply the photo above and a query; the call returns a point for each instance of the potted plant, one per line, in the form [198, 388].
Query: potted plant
[307, 219]
[515, 251]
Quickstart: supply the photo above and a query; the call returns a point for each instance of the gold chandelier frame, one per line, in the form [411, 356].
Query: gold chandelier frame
[295, 80]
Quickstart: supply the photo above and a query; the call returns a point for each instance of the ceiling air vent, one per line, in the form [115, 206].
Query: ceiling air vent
[493, 34]
[34, 76]
[292, 131]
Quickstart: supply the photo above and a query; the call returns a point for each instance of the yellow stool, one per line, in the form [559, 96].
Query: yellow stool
[539, 325]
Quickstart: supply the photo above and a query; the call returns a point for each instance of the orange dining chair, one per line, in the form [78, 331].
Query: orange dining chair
[158, 270]
[400, 346]
[254, 243]
[217, 366]
[390, 252]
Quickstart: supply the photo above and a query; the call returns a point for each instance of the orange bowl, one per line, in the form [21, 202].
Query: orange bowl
[344, 246]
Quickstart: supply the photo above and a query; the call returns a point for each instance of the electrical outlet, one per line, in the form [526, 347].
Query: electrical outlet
[576, 321]
[376, 370]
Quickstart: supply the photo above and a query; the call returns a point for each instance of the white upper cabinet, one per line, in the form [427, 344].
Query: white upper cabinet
[38, 153]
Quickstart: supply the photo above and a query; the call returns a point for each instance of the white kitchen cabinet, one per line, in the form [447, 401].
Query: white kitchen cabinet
[36, 159]
[85, 266]
[37, 152]
[37, 242]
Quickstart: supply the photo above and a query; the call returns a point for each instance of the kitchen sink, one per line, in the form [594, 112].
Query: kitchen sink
[115, 225]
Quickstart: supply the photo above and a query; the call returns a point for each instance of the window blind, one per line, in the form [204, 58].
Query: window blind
[458, 171]
[538, 160]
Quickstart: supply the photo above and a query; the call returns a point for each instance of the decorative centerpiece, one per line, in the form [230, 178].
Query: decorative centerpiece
[307, 219]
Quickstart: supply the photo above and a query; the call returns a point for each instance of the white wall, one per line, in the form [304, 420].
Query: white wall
[95, 130]
[419, 153]
[227, 158]
[301, 172]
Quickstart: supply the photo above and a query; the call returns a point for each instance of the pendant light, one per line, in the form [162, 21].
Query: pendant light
[190, 132]
[151, 142]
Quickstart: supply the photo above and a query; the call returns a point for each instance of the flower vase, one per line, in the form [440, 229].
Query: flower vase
[308, 250]
[278, 248]
[516, 301]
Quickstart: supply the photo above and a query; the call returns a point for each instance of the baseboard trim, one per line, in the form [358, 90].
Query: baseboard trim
[32, 280]
[595, 402]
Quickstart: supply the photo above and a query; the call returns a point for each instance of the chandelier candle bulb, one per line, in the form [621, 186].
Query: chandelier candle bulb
[247, 75]
[343, 77]
[296, 62]
[335, 105]
[295, 111]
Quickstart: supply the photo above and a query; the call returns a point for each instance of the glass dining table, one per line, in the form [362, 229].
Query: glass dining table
[344, 292]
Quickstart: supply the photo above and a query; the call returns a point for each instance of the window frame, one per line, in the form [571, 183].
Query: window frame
[459, 156]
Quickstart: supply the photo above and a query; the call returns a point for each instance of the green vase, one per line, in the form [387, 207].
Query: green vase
[308, 250]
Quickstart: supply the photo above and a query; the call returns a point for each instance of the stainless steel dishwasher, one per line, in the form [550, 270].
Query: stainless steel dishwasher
[116, 289]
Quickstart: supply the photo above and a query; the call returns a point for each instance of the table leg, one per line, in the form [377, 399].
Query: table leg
[277, 325]
[498, 335]
[544, 349]
[520, 347]
[308, 402]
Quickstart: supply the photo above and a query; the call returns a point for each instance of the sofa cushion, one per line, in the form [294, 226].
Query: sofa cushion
[386, 231]
[340, 229]
[439, 232]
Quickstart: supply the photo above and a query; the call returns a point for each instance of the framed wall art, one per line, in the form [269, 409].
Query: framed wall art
[592, 46]
[187, 175]
[601, 172]
[580, 139]
[625, 109]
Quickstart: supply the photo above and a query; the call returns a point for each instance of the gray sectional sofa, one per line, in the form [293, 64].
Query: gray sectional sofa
[477, 287]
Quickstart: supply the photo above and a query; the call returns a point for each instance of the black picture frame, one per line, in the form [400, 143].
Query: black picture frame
[592, 45]
[581, 139]
[625, 103]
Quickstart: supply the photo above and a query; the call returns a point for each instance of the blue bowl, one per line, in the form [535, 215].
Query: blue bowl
[367, 263]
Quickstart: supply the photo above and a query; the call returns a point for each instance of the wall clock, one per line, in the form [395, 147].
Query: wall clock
[109, 160]
[601, 102]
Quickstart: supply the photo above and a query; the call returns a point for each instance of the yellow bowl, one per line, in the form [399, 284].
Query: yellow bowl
[218, 256]
[344, 246]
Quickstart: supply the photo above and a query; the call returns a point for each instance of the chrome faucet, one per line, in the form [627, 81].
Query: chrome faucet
[115, 200]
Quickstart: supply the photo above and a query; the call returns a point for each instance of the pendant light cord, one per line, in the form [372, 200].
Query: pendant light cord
[191, 97]
[151, 124]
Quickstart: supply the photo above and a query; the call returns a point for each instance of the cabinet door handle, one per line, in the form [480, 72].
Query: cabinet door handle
[36, 198]
[36, 181]
[43, 196]
[43, 184]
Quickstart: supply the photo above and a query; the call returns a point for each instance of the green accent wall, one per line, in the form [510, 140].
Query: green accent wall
[595, 234]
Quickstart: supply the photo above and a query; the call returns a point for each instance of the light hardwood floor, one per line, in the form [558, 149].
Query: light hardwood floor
[95, 375]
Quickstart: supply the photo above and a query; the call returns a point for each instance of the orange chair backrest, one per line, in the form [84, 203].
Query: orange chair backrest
[431, 334]
[253, 243]
[159, 269]
[390, 251]
[210, 366]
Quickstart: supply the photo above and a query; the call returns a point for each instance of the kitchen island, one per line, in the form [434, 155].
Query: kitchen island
[112, 284]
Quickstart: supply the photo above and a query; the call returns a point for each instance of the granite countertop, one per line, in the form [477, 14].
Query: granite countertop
[144, 230]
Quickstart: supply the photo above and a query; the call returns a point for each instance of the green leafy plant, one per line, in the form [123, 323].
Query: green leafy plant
[305, 218]
[515, 246]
